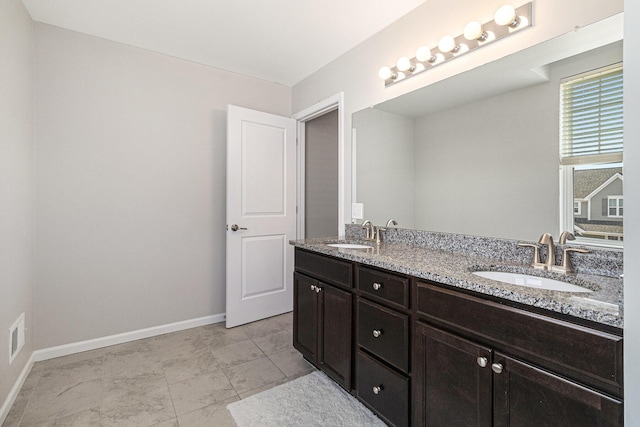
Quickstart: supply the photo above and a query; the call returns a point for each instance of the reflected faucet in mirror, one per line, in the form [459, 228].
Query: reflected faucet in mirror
[566, 235]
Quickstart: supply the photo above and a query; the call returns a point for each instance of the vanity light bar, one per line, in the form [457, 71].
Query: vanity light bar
[507, 20]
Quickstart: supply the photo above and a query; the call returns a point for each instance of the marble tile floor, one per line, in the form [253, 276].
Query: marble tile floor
[183, 379]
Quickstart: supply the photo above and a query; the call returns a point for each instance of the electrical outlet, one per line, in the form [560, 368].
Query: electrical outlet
[16, 337]
[357, 210]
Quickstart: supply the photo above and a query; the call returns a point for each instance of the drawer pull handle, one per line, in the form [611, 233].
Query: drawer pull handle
[497, 368]
[377, 389]
[482, 361]
[377, 286]
[377, 333]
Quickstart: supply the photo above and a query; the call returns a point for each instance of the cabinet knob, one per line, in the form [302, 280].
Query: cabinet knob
[313, 287]
[482, 361]
[377, 286]
[497, 368]
[377, 389]
[377, 333]
[318, 289]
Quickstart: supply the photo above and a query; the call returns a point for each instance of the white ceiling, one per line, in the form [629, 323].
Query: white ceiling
[281, 41]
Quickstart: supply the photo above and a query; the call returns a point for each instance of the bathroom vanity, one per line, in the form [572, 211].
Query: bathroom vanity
[420, 340]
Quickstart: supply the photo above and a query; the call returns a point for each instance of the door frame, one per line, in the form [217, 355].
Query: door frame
[335, 102]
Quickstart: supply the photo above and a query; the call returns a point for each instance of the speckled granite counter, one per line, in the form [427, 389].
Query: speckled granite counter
[603, 305]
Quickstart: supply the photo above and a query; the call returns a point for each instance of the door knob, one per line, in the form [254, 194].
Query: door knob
[497, 368]
[235, 227]
[482, 361]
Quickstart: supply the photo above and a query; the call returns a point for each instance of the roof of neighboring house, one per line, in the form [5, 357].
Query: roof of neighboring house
[601, 228]
[587, 180]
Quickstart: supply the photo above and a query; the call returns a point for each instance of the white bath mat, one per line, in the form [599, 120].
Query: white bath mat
[312, 400]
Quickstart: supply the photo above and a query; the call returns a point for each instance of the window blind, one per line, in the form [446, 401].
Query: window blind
[591, 117]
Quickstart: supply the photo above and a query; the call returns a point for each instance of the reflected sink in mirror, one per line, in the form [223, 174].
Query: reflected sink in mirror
[531, 281]
[348, 246]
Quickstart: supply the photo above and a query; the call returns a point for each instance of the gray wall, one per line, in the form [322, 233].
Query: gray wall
[490, 167]
[321, 176]
[130, 184]
[384, 166]
[16, 185]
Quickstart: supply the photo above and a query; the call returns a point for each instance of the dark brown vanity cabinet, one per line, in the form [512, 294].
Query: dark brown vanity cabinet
[383, 333]
[549, 377]
[322, 321]
[425, 354]
[452, 380]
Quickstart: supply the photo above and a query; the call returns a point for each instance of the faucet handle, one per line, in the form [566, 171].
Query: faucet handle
[565, 266]
[535, 261]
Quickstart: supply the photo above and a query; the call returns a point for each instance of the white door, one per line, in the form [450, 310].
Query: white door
[261, 214]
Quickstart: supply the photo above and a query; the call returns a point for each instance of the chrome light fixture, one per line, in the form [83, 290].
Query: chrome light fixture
[507, 20]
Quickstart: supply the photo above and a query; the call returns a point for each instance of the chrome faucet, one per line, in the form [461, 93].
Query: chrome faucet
[391, 222]
[547, 239]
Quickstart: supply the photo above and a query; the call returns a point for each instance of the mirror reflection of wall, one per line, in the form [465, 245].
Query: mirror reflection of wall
[488, 167]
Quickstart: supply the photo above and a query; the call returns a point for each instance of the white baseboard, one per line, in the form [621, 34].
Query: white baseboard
[15, 390]
[78, 347]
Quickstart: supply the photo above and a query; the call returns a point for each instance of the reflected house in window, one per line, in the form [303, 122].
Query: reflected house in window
[598, 203]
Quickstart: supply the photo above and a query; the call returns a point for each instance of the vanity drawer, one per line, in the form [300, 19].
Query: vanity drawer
[385, 333]
[383, 390]
[584, 354]
[386, 286]
[323, 267]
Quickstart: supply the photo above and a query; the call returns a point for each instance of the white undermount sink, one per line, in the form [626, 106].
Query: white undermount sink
[531, 281]
[348, 246]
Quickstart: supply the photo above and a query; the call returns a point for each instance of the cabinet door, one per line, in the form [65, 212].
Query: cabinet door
[305, 316]
[527, 396]
[451, 381]
[336, 345]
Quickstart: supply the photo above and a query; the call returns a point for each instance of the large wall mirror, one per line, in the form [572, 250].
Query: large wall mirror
[477, 153]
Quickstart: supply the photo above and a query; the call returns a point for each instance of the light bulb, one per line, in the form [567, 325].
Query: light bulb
[506, 15]
[404, 64]
[423, 54]
[474, 31]
[447, 44]
[385, 73]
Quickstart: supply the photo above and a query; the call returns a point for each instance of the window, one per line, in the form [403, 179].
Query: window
[615, 206]
[591, 145]
[577, 208]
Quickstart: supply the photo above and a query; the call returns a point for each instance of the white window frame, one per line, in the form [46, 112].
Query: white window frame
[566, 205]
[579, 203]
[567, 214]
[617, 207]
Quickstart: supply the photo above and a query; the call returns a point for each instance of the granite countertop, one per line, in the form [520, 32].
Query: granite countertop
[603, 305]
